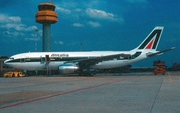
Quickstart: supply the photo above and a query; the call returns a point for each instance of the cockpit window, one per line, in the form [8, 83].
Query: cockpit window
[15, 60]
[11, 58]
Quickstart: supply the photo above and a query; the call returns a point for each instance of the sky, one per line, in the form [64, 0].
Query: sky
[91, 25]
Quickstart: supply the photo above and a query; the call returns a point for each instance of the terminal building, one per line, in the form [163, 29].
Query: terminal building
[4, 68]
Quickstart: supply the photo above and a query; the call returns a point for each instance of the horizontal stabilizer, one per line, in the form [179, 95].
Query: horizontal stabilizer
[160, 52]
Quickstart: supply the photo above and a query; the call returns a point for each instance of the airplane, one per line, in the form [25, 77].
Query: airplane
[83, 62]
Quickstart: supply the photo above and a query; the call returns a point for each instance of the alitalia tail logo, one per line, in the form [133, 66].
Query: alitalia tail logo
[152, 41]
[150, 45]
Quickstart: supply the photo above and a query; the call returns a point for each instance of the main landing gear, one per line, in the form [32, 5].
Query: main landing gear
[87, 72]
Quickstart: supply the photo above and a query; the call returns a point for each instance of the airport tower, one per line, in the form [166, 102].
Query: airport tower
[46, 16]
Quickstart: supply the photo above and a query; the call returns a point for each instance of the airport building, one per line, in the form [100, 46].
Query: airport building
[4, 68]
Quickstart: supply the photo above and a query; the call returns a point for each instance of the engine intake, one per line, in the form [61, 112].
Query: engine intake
[68, 68]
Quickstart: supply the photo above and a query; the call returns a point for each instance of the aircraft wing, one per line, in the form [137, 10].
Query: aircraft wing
[160, 52]
[94, 60]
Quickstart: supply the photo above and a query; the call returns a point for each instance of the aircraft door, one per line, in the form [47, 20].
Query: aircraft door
[47, 58]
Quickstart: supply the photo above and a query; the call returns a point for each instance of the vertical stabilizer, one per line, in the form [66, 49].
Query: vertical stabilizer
[152, 40]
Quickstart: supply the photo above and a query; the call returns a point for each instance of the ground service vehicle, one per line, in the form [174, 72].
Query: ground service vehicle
[160, 68]
[14, 74]
[160, 71]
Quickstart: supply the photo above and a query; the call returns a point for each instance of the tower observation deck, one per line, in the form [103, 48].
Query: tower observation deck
[46, 16]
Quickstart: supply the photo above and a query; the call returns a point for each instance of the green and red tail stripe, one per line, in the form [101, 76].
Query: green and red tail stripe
[152, 40]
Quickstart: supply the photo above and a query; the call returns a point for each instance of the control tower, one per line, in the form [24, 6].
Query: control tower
[46, 16]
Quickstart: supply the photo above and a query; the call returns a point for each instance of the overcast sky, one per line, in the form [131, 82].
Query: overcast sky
[91, 25]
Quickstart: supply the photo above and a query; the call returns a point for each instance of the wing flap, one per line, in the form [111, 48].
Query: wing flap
[94, 60]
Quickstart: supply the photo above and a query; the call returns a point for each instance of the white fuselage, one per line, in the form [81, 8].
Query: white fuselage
[38, 61]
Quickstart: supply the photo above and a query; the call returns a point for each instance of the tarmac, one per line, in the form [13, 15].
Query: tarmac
[103, 93]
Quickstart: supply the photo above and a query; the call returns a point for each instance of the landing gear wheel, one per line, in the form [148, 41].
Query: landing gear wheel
[86, 74]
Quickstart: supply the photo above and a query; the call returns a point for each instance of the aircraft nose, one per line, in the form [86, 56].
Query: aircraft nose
[6, 62]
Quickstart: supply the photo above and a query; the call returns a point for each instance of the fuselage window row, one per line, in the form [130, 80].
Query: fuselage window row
[43, 59]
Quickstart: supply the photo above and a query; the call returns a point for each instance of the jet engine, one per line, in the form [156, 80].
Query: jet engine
[68, 68]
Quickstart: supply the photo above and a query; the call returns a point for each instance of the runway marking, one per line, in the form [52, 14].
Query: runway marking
[170, 79]
[60, 94]
[156, 96]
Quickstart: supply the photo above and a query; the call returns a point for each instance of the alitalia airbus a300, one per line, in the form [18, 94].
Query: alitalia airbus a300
[82, 62]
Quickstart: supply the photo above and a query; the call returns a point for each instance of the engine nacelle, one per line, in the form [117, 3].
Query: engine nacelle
[68, 68]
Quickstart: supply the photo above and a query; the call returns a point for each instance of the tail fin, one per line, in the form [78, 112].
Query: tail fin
[152, 40]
